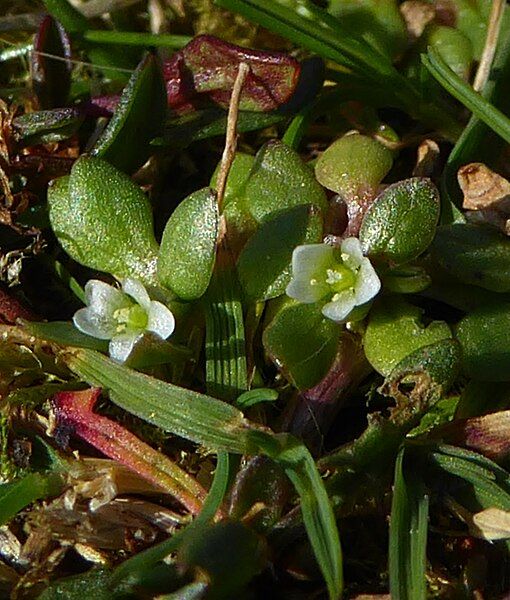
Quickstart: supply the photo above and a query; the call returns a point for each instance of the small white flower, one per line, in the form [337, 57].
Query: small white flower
[122, 316]
[342, 279]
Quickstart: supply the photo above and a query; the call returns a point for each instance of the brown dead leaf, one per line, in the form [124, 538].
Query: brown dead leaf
[492, 524]
[427, 158]
[417, 15]
[483, 188]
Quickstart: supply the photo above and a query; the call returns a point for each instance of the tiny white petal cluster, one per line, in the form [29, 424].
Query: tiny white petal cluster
[122, 316]
[343, 279]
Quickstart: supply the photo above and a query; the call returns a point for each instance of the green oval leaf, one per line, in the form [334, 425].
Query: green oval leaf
[103, 220]
[474, 254]
[46, 126]
[188, 246]
[401, 222]
[353, 165]
[302, 343]
[138, 118]
[395, 330]
[483, 336]
[278, 180]
[265, 263]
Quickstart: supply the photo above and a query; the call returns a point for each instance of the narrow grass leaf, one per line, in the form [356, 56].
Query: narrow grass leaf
[463, 92]
[408, 534]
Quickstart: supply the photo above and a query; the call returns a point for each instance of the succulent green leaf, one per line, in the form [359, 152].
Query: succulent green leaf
[46, 126]
[395, 330]
[453, 46]
[474, 254]
[279, 180]
[407, 279]
[401, 222]
[353, 165]
[265, 263]
[138, 118]
[182, 130]
[485, 343]
[440, 361]
[302, 342]
[188, 246]
[104, 221]
[237, 176]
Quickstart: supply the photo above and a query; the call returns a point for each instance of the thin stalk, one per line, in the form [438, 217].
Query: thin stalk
[491, 43]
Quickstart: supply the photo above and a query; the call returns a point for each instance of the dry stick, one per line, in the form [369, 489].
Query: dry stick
[231, 137]
[491, 42]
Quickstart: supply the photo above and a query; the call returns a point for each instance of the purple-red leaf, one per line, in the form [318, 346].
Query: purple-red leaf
[74, 414]
[51, 77]
[204, 71]
[208, 66]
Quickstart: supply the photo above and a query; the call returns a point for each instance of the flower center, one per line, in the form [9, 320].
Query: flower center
[340, 278]
[133, 317]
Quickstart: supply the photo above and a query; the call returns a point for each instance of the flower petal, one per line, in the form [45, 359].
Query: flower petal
[161, 320]
[368, 283]
[352, 255]
[309, 264]
[121, 346]
[104, 299]
[137, 291]
[339, 309]
[97, 325]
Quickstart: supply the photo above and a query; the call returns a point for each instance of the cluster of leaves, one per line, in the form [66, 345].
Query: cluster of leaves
[322, 420]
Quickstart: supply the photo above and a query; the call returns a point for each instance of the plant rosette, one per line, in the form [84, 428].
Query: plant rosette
[122, 316]
[341, 278]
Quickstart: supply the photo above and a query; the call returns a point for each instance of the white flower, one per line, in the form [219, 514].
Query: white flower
[122, 316]
[343, 278]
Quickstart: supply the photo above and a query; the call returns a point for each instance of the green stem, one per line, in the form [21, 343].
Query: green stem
[134, 38]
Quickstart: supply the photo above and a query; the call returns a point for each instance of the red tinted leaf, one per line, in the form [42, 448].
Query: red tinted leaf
[11, 309]
[208, 66]
[205, 70]
[51, 77]
[74, 414]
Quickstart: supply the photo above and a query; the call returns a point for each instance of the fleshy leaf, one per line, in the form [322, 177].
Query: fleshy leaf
[394, 331]
[401, 222]
[188, 245]
[138, 119]
[483, 336]
[104, 221]
[303, 343]
[474, 254]
[46, 126]
[353, 165]
[208, 66]
[265, 263]
[51, 78]
[269, 187]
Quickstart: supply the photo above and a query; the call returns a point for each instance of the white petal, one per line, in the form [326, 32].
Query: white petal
[302, 290]
[368, 283]
[339, 309]
[310, 262]
[311, 259]
[137, 291]
[94, 324]
[352, 255]
[161, 320]
[120, 346]
[104, 299]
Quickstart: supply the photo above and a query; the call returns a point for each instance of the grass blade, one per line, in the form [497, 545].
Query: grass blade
[408, 534]
[460, 90]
